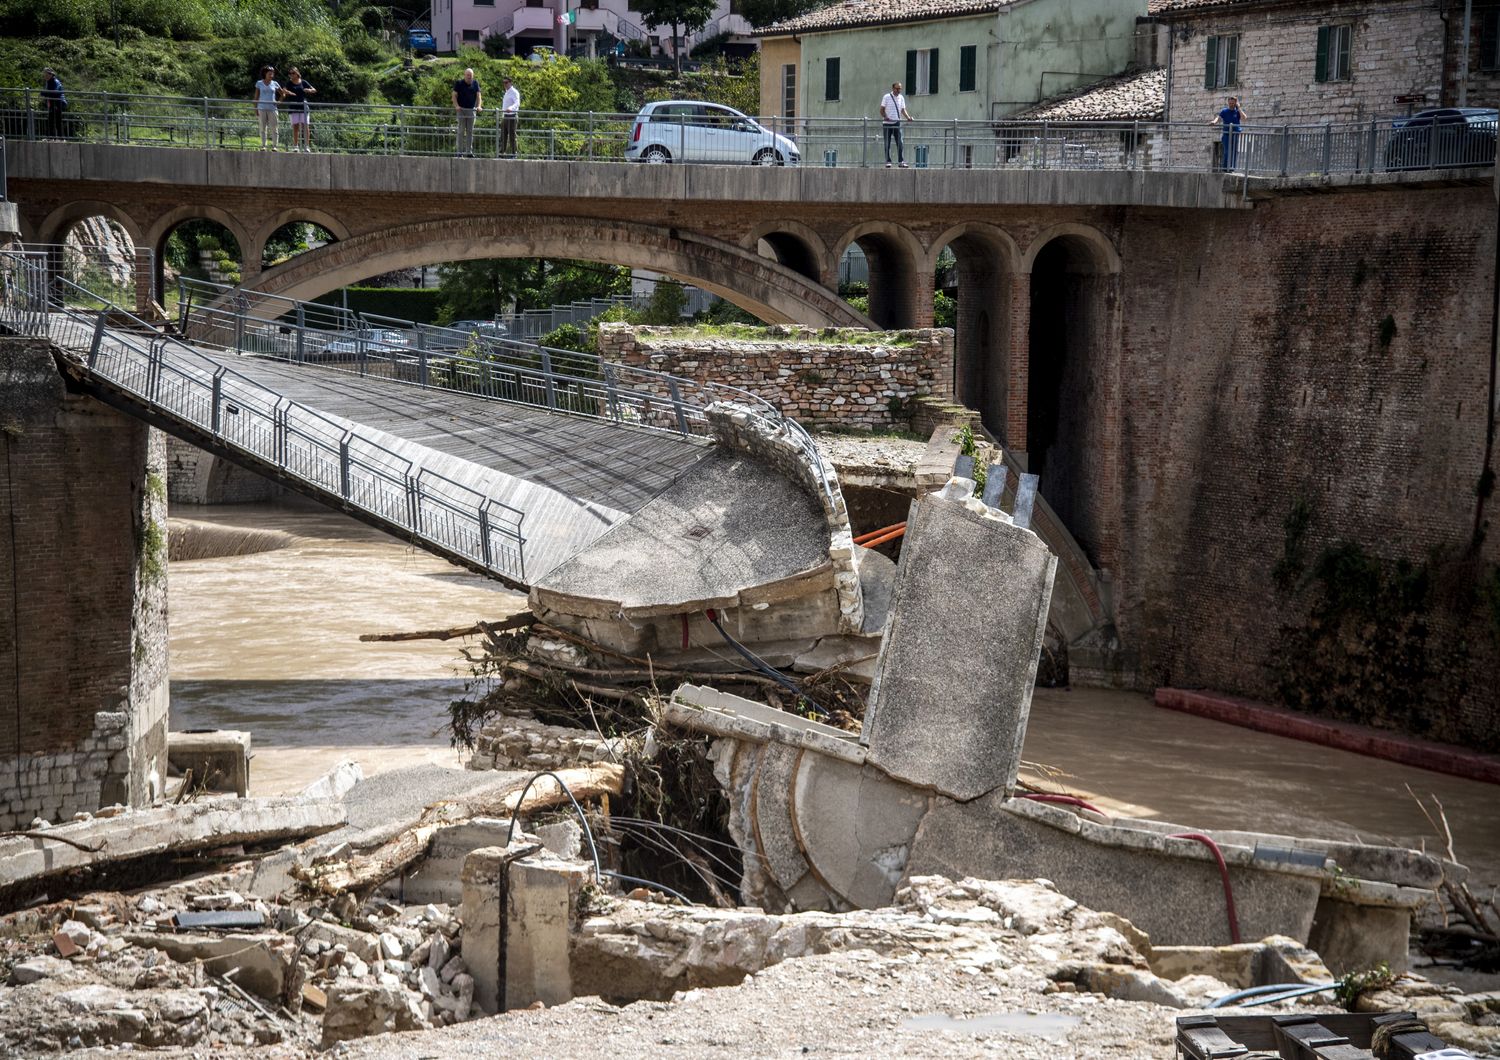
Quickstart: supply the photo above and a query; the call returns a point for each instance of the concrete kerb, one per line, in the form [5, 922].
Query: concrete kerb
[745, 429]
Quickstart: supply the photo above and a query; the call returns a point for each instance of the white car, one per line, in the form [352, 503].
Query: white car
[691, 131]
[370, 339]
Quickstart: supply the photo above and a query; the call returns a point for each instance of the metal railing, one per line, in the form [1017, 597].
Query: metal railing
[1376, 145]
[184, 385]
[496, 368]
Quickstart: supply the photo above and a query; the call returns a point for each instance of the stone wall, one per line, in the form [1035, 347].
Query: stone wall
[83, 619]
[1302, 376]
[514, 742]
[198, 477]
[1397, 49]
[821, 378]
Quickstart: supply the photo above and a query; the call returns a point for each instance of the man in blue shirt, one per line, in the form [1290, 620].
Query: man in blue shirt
[1229, 143]
[468, 101]
[56, 102]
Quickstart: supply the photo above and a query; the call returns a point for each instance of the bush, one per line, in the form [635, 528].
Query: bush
[364, 47]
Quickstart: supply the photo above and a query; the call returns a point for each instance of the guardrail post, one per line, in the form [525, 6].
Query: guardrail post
[676, 389]
[98, 338]
[208, 139]
[612, 392]
[1327, 148]
[864, 142]
[413, 504]
[278, 433]
[344, 465]
[422, 366]
[484, 534]
[301, 331]
[591, 134]
[547, 378]
[1370, 147]
[1286, 148]
[218, 389]
[1045, 131]
[184, 305]
[30, 117]
[239, 326]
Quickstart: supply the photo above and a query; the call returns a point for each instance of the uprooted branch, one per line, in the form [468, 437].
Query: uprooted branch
[363, 872]
[1476, 939]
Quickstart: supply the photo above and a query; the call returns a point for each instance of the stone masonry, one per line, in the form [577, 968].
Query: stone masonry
[1396, 49]
[83, 626]
[820, 377]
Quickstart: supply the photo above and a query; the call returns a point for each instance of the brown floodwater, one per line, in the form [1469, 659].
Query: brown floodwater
[270, 643]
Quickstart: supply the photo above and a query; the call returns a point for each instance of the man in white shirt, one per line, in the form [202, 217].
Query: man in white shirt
[892, 113]
[510, 108]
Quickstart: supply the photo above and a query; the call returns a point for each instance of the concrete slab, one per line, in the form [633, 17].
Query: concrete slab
[952, 687]
[219, 760]
[708, 710]
[771, 815]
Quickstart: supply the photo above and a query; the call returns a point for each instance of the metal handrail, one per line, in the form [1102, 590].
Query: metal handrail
[249, 417]
[1379, 144]
[501, 369]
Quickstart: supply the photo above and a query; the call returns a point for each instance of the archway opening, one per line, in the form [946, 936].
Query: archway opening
[96, 254]
[198, 248]
[1066, 434]
[791, 251]
[291, 239]
[970, 295]
[892, 280]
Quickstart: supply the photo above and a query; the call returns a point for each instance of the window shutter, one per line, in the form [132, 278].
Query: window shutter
[968, 61]
[1489, 40]
[1211, 67]
[911, 71]
[1232, 60]
[932, 72]
[831, 80]
[1321, 72]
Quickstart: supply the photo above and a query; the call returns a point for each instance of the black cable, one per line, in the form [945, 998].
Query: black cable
[587, 831]
[763, 666]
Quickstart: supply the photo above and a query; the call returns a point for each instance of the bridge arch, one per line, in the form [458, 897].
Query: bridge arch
[796, 246]
[162, 227]
[54, 228]
[1071, 369]
[292, 215]
[767, 289]
[988, 261]
[900, 292]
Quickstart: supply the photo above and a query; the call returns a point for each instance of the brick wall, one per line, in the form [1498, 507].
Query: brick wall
[198, 477]
[83, 646]
[1397, 49]
[1333, 349]
[823, 383]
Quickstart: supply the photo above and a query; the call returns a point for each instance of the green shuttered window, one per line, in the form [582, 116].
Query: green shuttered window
[831, 79]
[1222, 61]
[1335, 45]
[968, 62]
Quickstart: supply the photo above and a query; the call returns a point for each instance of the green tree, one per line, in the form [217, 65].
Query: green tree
[684, 16]
[765, 12]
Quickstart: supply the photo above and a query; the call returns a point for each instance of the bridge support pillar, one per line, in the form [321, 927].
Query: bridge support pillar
[83, 598]
[1018, 372]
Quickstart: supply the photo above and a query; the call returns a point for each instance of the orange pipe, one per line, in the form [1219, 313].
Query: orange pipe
[900, 531]
[862, 538]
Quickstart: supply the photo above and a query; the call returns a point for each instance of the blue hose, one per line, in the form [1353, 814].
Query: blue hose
[1283, 990]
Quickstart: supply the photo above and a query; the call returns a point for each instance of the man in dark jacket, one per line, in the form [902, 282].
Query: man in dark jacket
[56, 103]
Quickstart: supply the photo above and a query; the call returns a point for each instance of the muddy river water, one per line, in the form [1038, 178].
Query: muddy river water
[270, 643]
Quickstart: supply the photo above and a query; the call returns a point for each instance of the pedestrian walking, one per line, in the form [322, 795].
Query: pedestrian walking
[1229, 142]
[295, 92]
[510, 115]
[892, 114]
[267, 91]
[468, 101]
[56, 103]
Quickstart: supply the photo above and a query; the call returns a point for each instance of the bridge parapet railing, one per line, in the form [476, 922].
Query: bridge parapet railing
[698, 136]
[492, 367]
[186, 386]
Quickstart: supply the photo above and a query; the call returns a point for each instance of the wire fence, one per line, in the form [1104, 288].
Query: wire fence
[706, 133]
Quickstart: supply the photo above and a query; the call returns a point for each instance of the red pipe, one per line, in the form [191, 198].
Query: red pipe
[862, 538]
[900, 531]
[1234, 920]
[1066, 800]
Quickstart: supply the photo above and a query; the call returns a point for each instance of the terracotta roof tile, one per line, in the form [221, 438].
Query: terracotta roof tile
[1138, 96]
[854, 13]
[1173, 7]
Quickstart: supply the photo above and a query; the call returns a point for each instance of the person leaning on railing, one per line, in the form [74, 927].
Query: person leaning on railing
[267, 91]
[468, 101]
[56, 101]
[296, 91]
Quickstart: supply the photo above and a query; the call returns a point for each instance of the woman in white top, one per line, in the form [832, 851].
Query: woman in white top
[266, 91]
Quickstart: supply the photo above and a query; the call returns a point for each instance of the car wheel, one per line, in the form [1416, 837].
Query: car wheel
[767, 156]
[656, 154]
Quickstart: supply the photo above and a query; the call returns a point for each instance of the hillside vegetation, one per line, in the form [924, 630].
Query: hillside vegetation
[216, 48]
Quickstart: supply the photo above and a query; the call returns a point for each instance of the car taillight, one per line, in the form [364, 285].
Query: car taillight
[635, 137]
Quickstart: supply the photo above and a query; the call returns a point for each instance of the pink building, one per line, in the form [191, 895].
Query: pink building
[530, 23]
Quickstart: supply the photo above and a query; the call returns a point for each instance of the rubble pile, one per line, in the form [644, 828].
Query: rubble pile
[518, 741]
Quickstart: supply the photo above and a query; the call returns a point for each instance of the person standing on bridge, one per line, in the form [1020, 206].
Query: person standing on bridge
[296, 91]
[57, 103]
[1229, 143]
[468, 101]
[267, 90]
[892, 113]
[510, 115]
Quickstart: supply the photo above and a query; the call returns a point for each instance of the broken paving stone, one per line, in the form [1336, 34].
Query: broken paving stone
[73, 937]
[450, 970]
[38, 968]
[222, 900]
[356, 1010]
[391, 946]
[314, 997]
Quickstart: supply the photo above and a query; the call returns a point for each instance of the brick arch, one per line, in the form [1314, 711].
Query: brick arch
[792, 240]
[1104, 257]
[983, 332]
[54, 228]
[900, 285]
[765, 288]
[308, 214]
[161, 228]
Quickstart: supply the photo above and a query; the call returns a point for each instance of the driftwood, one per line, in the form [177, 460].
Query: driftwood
[525, 618]
[363, 872]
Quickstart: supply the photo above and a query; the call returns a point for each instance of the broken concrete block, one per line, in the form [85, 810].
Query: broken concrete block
[38, 968]
[483, 876]
[540, 899]
[264, 960]
[314, 998]
[357, 1010]
[336, 782]
[952, 689]
[220, 760]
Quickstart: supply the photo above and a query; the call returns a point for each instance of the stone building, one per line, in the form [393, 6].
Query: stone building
[1292, 61]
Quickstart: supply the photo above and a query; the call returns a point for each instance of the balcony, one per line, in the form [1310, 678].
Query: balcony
[532, 19]
[592, 19]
